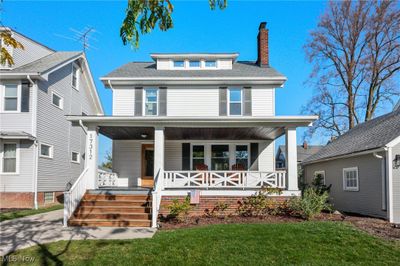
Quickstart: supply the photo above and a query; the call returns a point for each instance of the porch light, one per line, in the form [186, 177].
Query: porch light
[144, 136]
[396, 161]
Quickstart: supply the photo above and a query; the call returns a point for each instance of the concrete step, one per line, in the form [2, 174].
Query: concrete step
[116, 197]
[106, 209]
[115, 203]
[109, 222]
[113, 216]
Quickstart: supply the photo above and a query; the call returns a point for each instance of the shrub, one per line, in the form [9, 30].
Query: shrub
[180, 209]
[319, 185]
[261, 203]
[310, 204]
[218, 210]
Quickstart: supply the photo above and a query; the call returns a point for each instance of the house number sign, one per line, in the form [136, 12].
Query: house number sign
[91, 146]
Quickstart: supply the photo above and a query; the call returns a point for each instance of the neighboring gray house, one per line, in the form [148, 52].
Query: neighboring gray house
[363, 167]
[303, 151]
[40, 152]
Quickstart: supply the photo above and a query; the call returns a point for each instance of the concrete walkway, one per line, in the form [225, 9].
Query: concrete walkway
[47, 227]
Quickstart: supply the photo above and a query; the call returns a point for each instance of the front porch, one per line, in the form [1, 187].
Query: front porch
[174, 156]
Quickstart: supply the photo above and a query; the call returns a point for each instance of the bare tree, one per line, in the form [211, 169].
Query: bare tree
[355, 56]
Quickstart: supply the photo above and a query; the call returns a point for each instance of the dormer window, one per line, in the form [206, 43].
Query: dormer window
[210, 64]
[179, 63]
[194, 63]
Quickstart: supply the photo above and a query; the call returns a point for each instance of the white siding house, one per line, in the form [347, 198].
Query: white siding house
[35, 96]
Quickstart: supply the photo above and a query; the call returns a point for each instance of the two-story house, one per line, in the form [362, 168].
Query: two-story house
[198, 124]
[40, 152]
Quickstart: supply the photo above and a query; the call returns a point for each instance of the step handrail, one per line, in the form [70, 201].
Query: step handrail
[73, 196]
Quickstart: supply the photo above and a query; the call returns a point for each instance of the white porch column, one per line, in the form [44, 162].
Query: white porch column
[158, 157]
[91, 155]
[291, 159]
[159, 140]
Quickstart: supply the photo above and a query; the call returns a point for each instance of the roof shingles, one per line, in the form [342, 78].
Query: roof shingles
[373, 134]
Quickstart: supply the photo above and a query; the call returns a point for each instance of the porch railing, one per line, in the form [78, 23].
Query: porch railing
[224, 179]
[73, 196]
[106, 179]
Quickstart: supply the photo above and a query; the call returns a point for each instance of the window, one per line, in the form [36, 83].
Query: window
[46, 151]
[350, 179]
[242, 157]
[220, 157]
[9, 158]
[195, 63]
[210, 64]
[151, 102]
[11, 97]
[75, 75]
[321, 175]
[197, 155]
[48, 197]
[179, 63]
[75, 157]
[235, 102]
[57, 100]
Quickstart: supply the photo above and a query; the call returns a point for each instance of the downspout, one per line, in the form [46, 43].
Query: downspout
[384, 182]
[35, 143]
[82, 126]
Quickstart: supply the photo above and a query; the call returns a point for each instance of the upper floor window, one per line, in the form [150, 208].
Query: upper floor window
[350, 179]
[235, 102]
[9, 158]
[75, 157]
[75, 75]
[46, 151]
[179, 63]
[194, 63]
[57, 100]
[11, 97]
[151, 101]
[210, 63]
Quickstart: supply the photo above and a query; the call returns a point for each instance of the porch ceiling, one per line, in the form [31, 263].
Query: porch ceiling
[180, 133]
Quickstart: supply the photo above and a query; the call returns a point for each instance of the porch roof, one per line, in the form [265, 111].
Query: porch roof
[178, 128]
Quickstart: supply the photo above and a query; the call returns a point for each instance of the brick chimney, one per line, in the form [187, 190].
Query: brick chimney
[262, 45]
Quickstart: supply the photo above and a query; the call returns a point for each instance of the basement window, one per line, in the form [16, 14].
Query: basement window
[48, 197]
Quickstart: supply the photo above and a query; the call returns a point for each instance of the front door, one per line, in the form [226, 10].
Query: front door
[147, 165]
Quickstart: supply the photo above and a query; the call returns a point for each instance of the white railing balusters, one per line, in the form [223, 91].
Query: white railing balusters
[73, 196]
[224, 179]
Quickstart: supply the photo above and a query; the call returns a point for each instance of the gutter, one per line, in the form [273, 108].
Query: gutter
[35, 143]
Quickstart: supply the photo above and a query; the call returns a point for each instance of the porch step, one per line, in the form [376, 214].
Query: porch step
[98, 208]
[105, 209]
[112, 215]
[110, 222]
[115, 203]
[89, 197]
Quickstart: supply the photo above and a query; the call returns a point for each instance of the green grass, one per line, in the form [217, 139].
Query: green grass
[316, 243]
[22, 213]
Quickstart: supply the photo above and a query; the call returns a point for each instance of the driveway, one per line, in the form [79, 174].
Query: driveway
[47, 227]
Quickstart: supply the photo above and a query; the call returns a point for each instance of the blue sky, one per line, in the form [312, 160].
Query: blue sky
[196, 29]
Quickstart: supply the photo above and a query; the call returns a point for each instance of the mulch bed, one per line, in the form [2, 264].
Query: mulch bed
[374, 226]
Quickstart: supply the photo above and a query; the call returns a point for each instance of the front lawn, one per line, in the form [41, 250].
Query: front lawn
[22, 213]
[323, 243]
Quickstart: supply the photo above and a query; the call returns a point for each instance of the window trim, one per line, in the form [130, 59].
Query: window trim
[74, 65]
[229, 101]
[51, 151]
[78, 161]
[179, 67]
[191, 154]
[44, 198]
[248, 155]
[61, 100]
[320, 172]
[144, 101]
[3, 98]
[349, 169]
[210, 67]
[17, 159]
